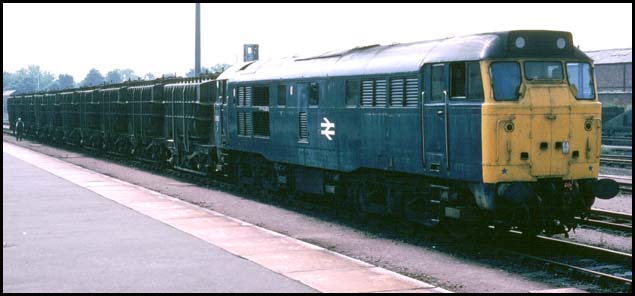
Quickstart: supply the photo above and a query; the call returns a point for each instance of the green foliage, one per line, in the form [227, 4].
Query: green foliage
[216, 69]
[31, 79]
[65, 81]
[128, 74]
[8, 80]
[93, 78]
[114, 76]
[120, 75]
[149, 76]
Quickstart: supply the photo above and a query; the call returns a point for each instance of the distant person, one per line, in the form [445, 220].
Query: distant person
[19, 129]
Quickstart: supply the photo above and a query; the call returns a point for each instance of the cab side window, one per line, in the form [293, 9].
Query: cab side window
[282, 94]
[314, 94]
[457, 73]
[505, 80]
[352, 92]
[475, 82]
[438, 83]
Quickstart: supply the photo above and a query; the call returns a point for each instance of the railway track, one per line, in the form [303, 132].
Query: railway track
[625, 183]
[616, 160]
[620, 141]
[609, 220]
[603, 267]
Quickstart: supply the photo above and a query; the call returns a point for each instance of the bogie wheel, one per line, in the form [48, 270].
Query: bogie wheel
[358, 196]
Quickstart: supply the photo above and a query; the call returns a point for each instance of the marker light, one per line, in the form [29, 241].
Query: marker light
[561, 43]
[520, 42]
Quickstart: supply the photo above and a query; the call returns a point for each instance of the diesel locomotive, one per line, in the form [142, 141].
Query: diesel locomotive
[498, 129]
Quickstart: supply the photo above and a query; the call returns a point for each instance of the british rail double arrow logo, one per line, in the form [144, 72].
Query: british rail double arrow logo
[327, 125]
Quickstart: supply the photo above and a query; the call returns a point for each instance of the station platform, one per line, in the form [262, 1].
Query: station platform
[69, 229]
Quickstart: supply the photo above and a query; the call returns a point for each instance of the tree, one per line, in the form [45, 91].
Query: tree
[93, 78]
[28, 80]
[8, 80]
[128, 74]
[65, 81]
[216, 69]
[120, 75]
[32, 79]
[149, 76]
[114, 76]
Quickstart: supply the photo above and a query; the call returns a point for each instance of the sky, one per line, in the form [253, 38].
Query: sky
[159, 38]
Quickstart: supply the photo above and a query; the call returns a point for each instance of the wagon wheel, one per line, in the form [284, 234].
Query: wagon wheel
[196, 165]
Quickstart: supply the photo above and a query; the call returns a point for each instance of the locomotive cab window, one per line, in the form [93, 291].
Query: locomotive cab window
[457, 74]
[314, 94]
[282, 95]
[475, 82]
[438, 83]
[352, 93]
[543, 71]
[506, 80]
[580, 75]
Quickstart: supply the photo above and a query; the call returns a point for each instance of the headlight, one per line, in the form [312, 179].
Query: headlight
[588, 124]
[509, 126]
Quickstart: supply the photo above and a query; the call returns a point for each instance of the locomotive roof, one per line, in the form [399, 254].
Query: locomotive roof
[406, 57]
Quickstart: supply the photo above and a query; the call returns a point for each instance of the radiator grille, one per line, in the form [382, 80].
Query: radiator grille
[303, 127]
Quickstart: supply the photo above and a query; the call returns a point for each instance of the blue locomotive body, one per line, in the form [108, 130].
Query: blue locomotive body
[363, 108]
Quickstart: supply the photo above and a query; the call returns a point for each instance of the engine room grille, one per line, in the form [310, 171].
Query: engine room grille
[380, 93]
[249, 126]
[247, 95]
[241, 96]
[367, 93]
[303, 127]
[244, 96]
[374, 93]
[261, 95]
[242, 130]
[412, 92]
[396, 92]
[404, 92]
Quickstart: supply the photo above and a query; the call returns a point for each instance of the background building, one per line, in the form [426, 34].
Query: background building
[614, 74]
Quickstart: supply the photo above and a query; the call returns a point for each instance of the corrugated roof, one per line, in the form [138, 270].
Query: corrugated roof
[611, 56]
[395, 58]
[365, 60]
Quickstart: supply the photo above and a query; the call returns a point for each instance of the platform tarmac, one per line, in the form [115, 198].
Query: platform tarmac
[69, 229]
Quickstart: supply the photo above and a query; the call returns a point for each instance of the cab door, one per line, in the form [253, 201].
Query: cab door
[435, 119]
[220, 118]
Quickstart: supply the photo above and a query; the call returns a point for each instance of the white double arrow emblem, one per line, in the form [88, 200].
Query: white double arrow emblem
[327, 125]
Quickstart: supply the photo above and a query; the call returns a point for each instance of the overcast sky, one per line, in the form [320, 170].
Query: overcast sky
[159, 38]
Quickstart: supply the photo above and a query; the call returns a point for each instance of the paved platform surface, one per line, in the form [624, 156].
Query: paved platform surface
[60, 237]
[68, 229]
